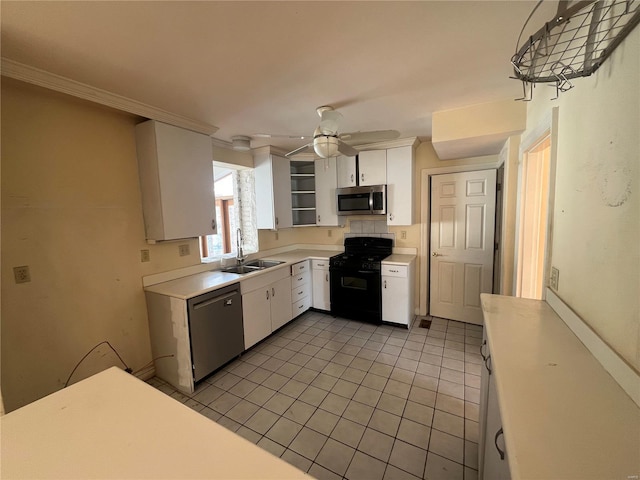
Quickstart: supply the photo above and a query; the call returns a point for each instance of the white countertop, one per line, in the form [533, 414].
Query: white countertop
[113, 425]
[199, 283]
[564, 416]
[399, 259]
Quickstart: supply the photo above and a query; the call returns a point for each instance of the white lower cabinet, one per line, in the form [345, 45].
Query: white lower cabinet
[492, 455]
[266, 304]
[397, 292]
[321, 284]
[300, 288]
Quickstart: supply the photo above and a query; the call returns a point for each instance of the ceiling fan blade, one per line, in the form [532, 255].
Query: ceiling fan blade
[347, 150]
[308, 148]
[369, 137]
[270, 135]
[330, 122]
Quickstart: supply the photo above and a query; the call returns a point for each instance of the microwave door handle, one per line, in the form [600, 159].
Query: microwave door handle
[371, 201]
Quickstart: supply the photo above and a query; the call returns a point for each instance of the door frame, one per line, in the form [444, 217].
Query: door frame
[425, 220]
[548, 125]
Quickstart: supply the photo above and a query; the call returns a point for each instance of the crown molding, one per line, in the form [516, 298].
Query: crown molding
[42, 78]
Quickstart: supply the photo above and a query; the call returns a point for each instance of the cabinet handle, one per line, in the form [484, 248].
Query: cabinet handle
[273, 292]
[326, 277]
[391, 216]
[495, 440]
[484, 358]
[213, 224]
[385, 284]
[300, 292]
[487, 363]
[300, 279]
[318, 218]
[362, 177]
[352, 178]
[300, 306]
[276, 220]
[321, 264]
[267, 294]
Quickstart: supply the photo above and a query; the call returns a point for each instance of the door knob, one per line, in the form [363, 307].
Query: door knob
[435, 254]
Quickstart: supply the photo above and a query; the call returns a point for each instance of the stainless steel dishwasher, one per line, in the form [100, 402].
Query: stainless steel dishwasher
[215, 329]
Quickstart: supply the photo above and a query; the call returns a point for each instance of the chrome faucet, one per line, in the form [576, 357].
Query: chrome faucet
[239, 252]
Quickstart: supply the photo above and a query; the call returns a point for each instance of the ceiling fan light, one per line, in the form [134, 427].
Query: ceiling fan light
[325, 146]
[241, 143]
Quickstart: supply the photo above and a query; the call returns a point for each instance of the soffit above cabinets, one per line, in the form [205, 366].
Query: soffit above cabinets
[477, 130]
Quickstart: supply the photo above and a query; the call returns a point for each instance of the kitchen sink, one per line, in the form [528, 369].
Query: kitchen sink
[252, 266]
[241, 269]
[263, 263]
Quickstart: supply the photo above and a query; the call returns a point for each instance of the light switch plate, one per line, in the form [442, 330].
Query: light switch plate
[555, 278]
[184, 250]
[21, 274]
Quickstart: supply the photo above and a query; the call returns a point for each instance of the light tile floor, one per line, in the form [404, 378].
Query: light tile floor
[344, 399]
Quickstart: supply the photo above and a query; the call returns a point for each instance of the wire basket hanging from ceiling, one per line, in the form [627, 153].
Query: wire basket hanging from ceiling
[574, 43]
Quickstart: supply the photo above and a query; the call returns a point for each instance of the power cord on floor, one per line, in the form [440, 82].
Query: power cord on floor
[126, 367]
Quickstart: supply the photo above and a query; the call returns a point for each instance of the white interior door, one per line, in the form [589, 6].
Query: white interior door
[462, 243]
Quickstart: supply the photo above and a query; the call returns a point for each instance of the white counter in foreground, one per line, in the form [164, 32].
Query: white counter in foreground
[113, 425]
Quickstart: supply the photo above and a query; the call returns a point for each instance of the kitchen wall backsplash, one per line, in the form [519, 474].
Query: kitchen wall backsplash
[370, 228]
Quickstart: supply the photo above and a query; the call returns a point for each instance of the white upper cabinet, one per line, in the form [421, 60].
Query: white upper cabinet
[399, 165]
[346, 167]
[273, 191]
[326, 183]
[372, 165]
[176, 179]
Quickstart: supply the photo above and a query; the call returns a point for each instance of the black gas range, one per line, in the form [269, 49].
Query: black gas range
[356, 284]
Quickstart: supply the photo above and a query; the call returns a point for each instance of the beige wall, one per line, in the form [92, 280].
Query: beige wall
[71, 211]
[596, 222]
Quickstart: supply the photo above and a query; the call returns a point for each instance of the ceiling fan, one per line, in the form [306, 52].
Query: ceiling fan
[328, 143]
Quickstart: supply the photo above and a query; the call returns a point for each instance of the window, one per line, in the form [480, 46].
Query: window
[235, 208]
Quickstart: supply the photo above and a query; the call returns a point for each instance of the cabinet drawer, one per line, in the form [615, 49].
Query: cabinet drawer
[300, 267]
[320, 264]
[300, 279]
[301, 306]
[300, 292]
[394, 270]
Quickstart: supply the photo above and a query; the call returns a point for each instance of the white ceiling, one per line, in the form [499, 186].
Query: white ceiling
[263, 67]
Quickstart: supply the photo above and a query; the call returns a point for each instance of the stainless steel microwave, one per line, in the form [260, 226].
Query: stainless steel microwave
[370, 200]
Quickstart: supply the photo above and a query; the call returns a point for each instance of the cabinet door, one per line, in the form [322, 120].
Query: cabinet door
[346, 169]
[273, 191]
[255, 316]
[373, 167]
[321, 290]
[484, 397]
[496, 462]
[400, 209]
[282, 192]
[326, 182]
[280, 303]
[176, 179]
[395, 300]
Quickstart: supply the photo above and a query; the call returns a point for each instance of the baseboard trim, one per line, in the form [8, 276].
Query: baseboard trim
[146, 373]
[623, 373]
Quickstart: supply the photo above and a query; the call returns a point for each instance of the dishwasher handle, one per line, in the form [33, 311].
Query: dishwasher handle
[228, 300]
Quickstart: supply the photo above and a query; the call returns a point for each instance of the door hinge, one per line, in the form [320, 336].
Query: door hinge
[496, 246]
[498, 187]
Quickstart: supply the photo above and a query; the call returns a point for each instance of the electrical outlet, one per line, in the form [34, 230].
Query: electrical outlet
[145, 256]
[555, 278]
[184, 250]
[403, 234]
[21, 274]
